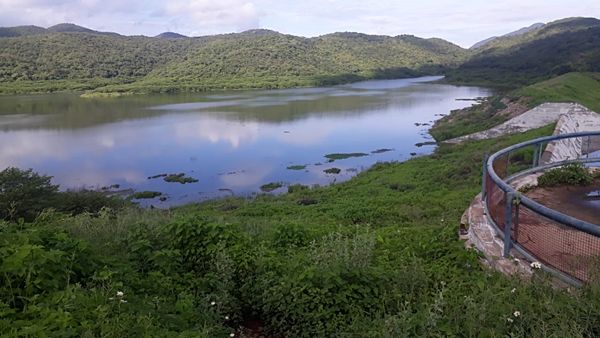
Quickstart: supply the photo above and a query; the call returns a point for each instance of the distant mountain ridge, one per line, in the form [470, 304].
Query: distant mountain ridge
[21, 31]
[71, 57]
[521, 31]
[171, 35]
[556, 48]
[60, 28]
[172, 62]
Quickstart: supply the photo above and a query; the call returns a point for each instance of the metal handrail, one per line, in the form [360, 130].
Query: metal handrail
[511, 194]
[554, 215]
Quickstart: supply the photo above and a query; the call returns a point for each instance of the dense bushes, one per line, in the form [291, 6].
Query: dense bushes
[24, 194]
[560, 47]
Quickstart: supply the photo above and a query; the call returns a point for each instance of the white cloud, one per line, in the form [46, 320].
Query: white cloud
[215, 131]
[250, 176]
[192, 17]
[236, 14]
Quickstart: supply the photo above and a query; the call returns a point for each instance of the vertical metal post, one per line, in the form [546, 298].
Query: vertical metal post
[508, 223]
[515, 224]
[540, 152]
[484, 179]
[536, 157]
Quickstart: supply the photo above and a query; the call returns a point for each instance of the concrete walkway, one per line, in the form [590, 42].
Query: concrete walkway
[538, 117]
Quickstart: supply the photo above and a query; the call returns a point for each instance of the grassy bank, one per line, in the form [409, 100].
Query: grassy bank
[71, 86]
[135, 86]
[582, 88]
[377, 256]
[478, 117]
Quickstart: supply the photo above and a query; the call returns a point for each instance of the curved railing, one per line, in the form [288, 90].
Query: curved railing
[566, 246]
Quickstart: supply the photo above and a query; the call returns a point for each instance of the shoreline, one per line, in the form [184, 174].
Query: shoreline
[300, 82]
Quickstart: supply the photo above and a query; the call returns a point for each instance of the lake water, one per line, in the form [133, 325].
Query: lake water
[231, 142]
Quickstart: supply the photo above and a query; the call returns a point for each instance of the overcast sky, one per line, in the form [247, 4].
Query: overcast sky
[461, 21]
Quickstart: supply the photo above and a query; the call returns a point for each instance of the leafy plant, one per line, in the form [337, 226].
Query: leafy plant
[271, 186]
[179, 178]
[146, 195]
[570, 174]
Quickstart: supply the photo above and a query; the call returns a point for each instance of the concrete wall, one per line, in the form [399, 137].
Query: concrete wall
[579, 119]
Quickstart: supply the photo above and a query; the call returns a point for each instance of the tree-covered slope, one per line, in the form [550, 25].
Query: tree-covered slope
[21, 31]
[70, 57]
[257, 59]
[554, 49]
[266, 59]
[61, 56]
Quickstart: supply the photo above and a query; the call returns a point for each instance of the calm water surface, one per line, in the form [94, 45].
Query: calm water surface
[232, 142]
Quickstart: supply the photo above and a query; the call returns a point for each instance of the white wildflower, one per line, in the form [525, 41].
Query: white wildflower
[213, 303]
[516, 260]
[516, 314]
[232, 335]
[513, 290]
[510, 320]
[123, 301]
[536, 265]
[120, 294]
[226, 317]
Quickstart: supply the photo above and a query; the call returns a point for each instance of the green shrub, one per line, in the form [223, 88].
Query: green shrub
[290, 236]
[24, 193]
[296, 188]
[38, 260]
[197, 240]
[77, 202]
[145, 195]
[179, 178]
[271, 186]
[570, 174]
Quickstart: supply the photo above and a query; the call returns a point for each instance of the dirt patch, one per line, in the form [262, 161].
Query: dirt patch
[571, 200]
[513, 108]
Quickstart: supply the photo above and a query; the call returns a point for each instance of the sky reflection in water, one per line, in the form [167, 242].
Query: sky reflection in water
[235, 140]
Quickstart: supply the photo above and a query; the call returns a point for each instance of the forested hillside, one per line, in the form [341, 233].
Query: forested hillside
[554, 49]
[70, 57]
[253, 59]
[81, 56]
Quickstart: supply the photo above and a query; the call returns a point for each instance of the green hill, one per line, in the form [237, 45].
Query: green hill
[583, 88]
[170, 35]
[266, 59]
[21, 31]
[69, 28]
[71, 57]
[67, 56]
[554, 49]
[489, 41]
[79, 56]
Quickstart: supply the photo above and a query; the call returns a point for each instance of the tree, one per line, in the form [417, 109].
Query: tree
[24, 193]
